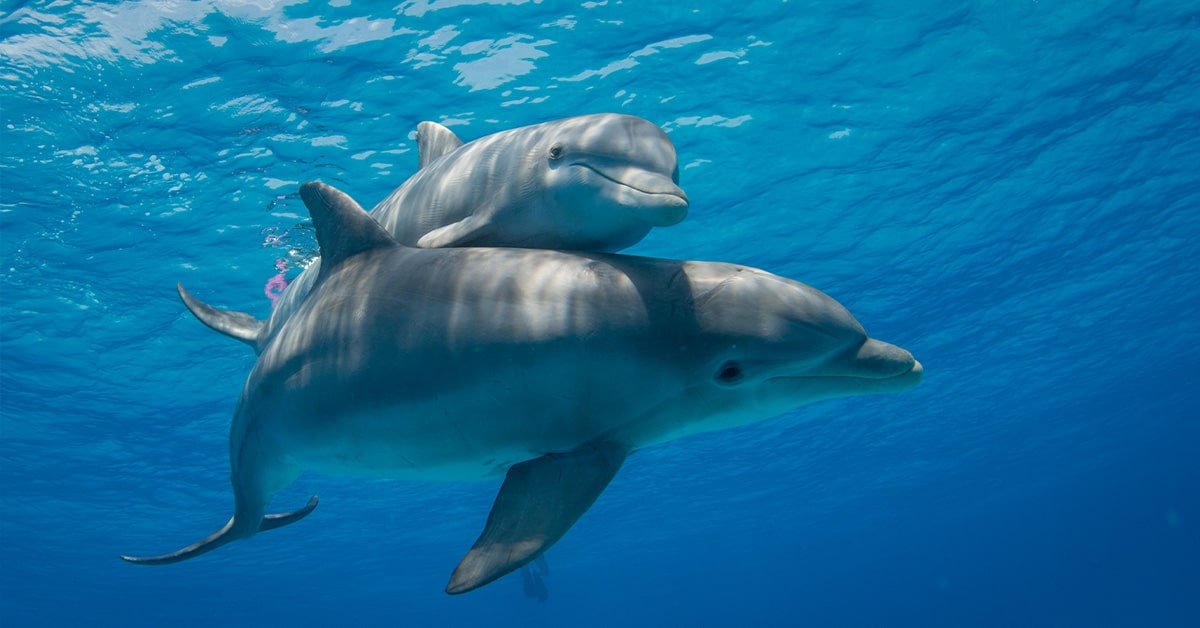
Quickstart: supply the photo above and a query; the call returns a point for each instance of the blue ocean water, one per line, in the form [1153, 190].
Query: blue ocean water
[1011, 190]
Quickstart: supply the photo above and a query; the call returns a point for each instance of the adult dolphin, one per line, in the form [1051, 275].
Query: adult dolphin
[547, 367]
[593, 183]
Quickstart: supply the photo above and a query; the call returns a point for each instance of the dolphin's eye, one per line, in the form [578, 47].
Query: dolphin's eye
[556, 151]
[729, 373]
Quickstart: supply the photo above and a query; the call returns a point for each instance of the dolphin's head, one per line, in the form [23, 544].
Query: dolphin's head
[762, 345]
[612, 174]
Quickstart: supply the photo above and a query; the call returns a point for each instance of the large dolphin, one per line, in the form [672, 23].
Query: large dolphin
[548, 368]
[591, 183]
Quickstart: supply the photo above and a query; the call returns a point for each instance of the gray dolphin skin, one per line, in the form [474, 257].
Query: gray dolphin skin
[546, 368]
[592, 183]
[433, 141]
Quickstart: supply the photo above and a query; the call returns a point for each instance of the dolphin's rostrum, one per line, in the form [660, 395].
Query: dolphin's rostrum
[548, 368]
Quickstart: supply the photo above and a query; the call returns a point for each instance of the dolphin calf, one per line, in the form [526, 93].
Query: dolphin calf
[593, 183]
[546, 368]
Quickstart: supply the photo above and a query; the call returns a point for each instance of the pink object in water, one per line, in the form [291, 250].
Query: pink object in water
[277, 284]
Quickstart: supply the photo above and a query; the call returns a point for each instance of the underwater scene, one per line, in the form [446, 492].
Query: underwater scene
[607, 313]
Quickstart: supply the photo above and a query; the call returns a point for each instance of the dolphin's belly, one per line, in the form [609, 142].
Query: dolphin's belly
[476, 433]
[410, 461]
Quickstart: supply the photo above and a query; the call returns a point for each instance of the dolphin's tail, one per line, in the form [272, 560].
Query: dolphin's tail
[236, 325]
[224, 535]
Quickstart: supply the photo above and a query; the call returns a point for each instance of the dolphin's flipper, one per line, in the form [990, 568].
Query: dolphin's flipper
[459, 233]
[237, 325]
[539, 501]
[223, 536]
[433, 141]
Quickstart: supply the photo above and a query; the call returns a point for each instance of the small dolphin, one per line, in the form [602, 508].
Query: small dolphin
[545, 367]
[592, 183]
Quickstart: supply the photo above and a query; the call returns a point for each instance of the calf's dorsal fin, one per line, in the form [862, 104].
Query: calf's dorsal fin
[433, 141]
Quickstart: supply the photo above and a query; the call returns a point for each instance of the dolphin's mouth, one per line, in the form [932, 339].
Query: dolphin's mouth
[899, 381]
[667, 195]
[863, 383]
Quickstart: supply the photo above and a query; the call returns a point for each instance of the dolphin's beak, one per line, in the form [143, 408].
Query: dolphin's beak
[872, 368]
[880, 360]
[669, 204]
[905, 380]
[879, 367]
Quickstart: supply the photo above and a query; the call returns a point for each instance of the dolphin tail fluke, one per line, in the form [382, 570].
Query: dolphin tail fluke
[236, 325]
[270, 522]
[224, 536]
[540, 500]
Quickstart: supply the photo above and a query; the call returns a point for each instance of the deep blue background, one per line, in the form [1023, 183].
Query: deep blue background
[1008, 189]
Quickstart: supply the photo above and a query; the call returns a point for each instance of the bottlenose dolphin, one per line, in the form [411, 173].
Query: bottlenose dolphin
[593, 183]
[545, 367]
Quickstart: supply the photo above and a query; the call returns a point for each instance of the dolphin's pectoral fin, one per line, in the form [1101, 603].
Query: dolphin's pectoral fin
[236, 325]
[433, 141]
[223, 536]
[539, 501]
[461, 233]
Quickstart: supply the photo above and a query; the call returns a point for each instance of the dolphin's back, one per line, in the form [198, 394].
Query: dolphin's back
[457, 185]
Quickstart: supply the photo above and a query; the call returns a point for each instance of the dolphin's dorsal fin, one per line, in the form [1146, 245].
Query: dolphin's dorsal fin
[433, 141]
[236, 325]
[540, 500]
[344, 229]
